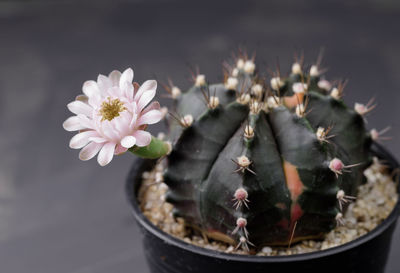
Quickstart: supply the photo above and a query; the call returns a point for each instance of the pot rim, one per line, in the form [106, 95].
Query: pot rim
[132, 187]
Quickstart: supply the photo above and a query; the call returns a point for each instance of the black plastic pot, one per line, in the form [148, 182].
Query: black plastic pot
[166, 254]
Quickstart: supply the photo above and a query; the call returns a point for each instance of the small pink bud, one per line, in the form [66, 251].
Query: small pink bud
[336, 165]
[241, 222]
[241, 194]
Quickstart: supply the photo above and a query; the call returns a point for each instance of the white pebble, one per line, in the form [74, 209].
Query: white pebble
[266, 250]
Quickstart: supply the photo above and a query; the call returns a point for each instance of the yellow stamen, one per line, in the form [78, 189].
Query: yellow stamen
[111, 109]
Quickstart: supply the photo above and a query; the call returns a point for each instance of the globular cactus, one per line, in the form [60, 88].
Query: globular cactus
[258, 162]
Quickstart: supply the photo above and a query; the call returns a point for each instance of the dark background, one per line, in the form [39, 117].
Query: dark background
[58, 214]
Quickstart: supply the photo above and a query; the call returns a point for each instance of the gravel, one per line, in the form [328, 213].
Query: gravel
[375, 200]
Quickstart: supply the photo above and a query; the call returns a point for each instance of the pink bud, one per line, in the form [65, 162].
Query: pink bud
[241, 222]
[241, 194]
[336, 165]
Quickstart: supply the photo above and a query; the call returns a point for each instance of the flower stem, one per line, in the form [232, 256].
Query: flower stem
[156, 149]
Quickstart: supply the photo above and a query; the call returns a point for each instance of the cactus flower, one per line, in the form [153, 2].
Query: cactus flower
[112, 116]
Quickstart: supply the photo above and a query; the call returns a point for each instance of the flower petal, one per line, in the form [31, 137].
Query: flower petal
[155, 105]
[130, 106]
[109, 131]
[146, 86]
[78, 107]
[114, 77]
[95, 100]
[151, 117]
[82, 98]
[90, 88]
[89, 151]
[106, 154]
[143, 138]
[86, 122]
[146, 98]
[115, 91]
[82, 139]
[128, 90]
[97, 139]
[73, 124]
[127, 76]
[104, 83]
[133, 121]
[128, 141]
[121, 123]
[119, 150]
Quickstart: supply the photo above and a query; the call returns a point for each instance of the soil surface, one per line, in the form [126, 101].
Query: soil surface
[375, 200]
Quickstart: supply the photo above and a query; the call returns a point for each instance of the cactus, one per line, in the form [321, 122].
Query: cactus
[257, 164]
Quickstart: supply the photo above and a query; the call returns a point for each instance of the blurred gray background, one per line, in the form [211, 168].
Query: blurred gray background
[58, 214]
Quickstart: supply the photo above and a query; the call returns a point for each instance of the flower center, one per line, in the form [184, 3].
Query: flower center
[111, 109]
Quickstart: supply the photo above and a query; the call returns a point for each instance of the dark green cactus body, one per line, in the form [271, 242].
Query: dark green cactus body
[291, 179]
[351, 140]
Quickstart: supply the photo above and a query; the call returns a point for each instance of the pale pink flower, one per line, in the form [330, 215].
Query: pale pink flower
[112, 116]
